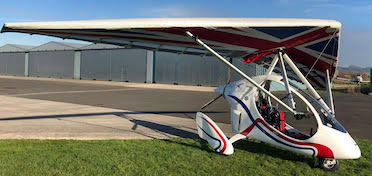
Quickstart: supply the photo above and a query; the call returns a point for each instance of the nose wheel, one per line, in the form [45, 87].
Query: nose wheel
[328, 164]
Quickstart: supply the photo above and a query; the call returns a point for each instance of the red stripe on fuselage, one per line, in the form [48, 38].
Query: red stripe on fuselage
[248, 130]
[323, 151]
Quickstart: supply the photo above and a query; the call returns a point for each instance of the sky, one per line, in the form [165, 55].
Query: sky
[355, 16]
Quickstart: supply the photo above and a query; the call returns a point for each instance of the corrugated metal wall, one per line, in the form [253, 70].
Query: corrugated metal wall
[165, 67]
[171, 68]
[114, 64]
[119, 64]
[57, 64]
[247, 68]
[212, 72]
[12, 64]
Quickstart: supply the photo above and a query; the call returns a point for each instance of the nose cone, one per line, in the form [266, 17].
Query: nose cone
[350, 149]
[356, 154]
[219, 90]
[342, 144]
[346, 147]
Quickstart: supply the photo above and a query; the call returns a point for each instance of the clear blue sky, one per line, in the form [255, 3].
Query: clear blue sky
[355, 16]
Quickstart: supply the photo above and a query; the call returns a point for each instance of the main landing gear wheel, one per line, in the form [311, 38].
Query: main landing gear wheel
[328, 164]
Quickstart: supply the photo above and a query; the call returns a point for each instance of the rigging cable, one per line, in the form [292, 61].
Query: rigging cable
[325, 47]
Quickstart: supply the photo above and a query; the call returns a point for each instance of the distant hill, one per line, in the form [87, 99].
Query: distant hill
[356, 69]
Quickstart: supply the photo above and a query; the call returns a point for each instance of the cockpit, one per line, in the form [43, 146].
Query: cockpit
[302, 124]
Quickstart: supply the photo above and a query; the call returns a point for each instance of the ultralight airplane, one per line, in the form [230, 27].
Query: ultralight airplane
[304, 50]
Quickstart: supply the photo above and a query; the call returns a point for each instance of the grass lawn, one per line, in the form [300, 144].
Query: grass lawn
[161, 157]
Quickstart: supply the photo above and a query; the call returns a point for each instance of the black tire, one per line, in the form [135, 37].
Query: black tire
[329, 164]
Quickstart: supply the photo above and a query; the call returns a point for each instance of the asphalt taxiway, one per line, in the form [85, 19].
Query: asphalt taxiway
[47, 108]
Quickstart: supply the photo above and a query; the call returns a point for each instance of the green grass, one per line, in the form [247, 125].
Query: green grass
[162, 157]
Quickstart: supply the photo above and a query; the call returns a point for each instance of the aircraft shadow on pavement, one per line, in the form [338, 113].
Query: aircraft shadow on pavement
[186, 113]
[166, 130]
[120, 114]
[60, 116]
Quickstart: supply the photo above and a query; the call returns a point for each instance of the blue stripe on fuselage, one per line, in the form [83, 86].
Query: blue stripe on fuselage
[264, 131]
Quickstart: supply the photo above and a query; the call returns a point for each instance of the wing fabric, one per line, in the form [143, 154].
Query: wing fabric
[302, 39]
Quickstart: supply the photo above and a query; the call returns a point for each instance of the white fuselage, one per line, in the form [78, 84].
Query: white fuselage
[246, 120]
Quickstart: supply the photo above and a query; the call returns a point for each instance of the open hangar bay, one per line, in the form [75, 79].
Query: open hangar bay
[80, 109]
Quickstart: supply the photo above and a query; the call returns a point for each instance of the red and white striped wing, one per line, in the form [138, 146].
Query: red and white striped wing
[303, 40]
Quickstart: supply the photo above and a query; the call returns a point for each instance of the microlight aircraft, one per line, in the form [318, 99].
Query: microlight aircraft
[304, 50]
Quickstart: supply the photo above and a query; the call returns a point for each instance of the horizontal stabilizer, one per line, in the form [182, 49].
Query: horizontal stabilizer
[209, 131]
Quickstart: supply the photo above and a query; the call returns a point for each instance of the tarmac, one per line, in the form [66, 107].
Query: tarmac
[49, 108]
[27, 114]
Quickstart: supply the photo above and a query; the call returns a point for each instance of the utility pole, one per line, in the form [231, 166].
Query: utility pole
[370, 82]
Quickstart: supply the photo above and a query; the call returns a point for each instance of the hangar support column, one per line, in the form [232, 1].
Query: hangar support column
[26, 63]
[77, 64]
[150, 66]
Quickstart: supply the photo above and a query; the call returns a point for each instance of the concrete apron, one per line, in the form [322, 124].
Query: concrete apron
[23, 118]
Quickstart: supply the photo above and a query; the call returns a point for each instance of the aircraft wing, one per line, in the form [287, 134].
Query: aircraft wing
[309, 43]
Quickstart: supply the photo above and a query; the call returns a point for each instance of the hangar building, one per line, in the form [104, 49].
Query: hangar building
[115, 63]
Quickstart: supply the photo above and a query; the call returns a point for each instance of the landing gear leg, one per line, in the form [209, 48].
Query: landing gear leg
[328, 164]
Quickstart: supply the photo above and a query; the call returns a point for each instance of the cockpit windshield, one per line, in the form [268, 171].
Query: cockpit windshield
[327, 118]
[330, 121]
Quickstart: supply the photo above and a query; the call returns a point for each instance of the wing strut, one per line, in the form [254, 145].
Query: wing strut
[201, 43]
[305, 81]
[285, 80]
[272, 65]
[329, 92]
